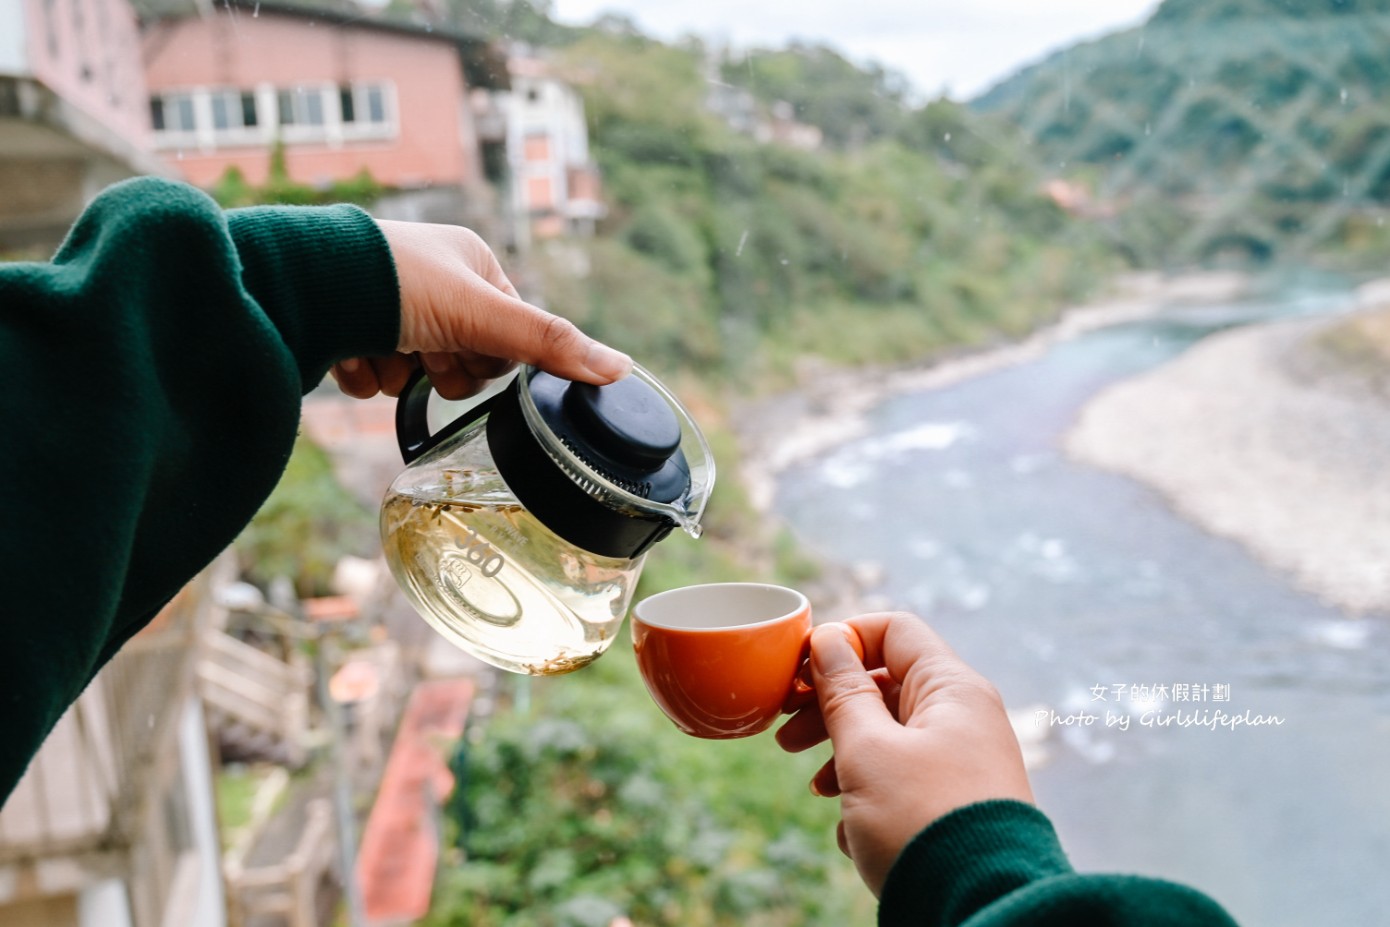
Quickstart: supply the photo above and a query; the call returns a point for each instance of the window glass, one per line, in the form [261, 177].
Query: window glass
[376, 103]
[224, 115]
[248, 110]
[285, 101]
[311, 105]
[172, 112]
[184, 109]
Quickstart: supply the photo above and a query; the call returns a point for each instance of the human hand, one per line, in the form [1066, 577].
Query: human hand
[463, 318]
[916, 736]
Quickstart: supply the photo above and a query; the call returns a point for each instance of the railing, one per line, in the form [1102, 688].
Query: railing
[88, 785]
[289, 888]
[258, 690]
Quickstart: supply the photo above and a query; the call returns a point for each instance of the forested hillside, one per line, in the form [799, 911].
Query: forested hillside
[908, 230]
[1224, 128]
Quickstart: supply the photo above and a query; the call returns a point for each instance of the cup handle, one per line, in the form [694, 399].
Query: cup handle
[803, 692]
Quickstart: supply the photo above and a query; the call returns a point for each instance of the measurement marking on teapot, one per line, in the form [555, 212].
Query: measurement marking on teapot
[487, 599]
[478, 551]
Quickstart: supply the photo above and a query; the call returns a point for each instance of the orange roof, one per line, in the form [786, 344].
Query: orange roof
[400, 849]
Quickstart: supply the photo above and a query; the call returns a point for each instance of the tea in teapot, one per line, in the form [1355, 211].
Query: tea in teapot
[519, 530]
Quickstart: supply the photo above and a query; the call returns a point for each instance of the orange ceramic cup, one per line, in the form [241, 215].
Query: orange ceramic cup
[721, 659]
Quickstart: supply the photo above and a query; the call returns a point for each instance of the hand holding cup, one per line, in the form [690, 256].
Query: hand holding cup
[916, 732]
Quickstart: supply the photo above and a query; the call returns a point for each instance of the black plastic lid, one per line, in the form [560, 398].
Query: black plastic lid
[624, 432]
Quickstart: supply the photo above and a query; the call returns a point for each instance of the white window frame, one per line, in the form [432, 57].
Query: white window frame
[236, 133]
[363, 129]
[203, 134]
[181, 136]
[301, 97]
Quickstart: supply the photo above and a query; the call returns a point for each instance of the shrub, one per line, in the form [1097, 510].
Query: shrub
[597, 806]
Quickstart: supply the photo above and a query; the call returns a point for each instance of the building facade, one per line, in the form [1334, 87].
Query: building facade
[555, 186]
[338, 97]
[73, 112]
[114, 823]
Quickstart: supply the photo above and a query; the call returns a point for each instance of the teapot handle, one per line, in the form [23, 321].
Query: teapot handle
[412, 426]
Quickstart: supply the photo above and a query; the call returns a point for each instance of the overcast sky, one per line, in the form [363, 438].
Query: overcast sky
[961, 46]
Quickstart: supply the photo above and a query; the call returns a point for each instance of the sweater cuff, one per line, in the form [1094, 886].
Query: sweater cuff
[968, 859]
[325, 277]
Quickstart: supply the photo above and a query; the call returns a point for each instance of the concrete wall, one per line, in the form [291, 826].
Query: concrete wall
[73, 113]
[88, 53]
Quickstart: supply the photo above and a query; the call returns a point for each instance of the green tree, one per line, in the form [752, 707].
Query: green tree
[307, 525]
[851, 104]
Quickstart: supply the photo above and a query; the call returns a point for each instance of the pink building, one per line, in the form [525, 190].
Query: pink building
[342, 93]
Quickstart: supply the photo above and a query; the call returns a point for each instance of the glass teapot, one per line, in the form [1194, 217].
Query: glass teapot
[518, 530]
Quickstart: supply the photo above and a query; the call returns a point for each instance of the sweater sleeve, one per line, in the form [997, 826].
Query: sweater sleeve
[1000, 864]
[153, 372]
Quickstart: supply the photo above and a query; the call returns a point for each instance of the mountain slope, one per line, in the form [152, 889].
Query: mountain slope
[1254, 125]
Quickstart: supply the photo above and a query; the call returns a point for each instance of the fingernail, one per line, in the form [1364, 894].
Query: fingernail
[815, 791]
[831, 649]
[350, 365]
[607, 362]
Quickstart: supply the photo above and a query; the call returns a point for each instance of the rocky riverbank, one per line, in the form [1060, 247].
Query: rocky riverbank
[1267, 436]
[828, 407]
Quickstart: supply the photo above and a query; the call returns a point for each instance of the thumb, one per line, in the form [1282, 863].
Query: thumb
[850, 700]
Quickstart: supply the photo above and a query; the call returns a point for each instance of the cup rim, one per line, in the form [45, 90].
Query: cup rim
[801, 604]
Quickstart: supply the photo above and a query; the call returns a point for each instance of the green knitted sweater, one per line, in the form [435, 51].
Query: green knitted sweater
[999, 864]
[153, 377]
[153, 372]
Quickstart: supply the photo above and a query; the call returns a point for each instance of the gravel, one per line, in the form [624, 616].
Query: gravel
[1243, 442]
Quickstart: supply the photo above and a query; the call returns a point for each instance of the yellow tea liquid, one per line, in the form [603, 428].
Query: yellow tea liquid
[500, 585]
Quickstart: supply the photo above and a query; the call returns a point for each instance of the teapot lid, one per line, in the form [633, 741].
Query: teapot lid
[624, 431]
[609, 468]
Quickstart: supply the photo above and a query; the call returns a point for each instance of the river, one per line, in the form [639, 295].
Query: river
[1081, 594]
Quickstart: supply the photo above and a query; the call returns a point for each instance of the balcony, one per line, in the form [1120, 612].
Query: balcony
[117, 802]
